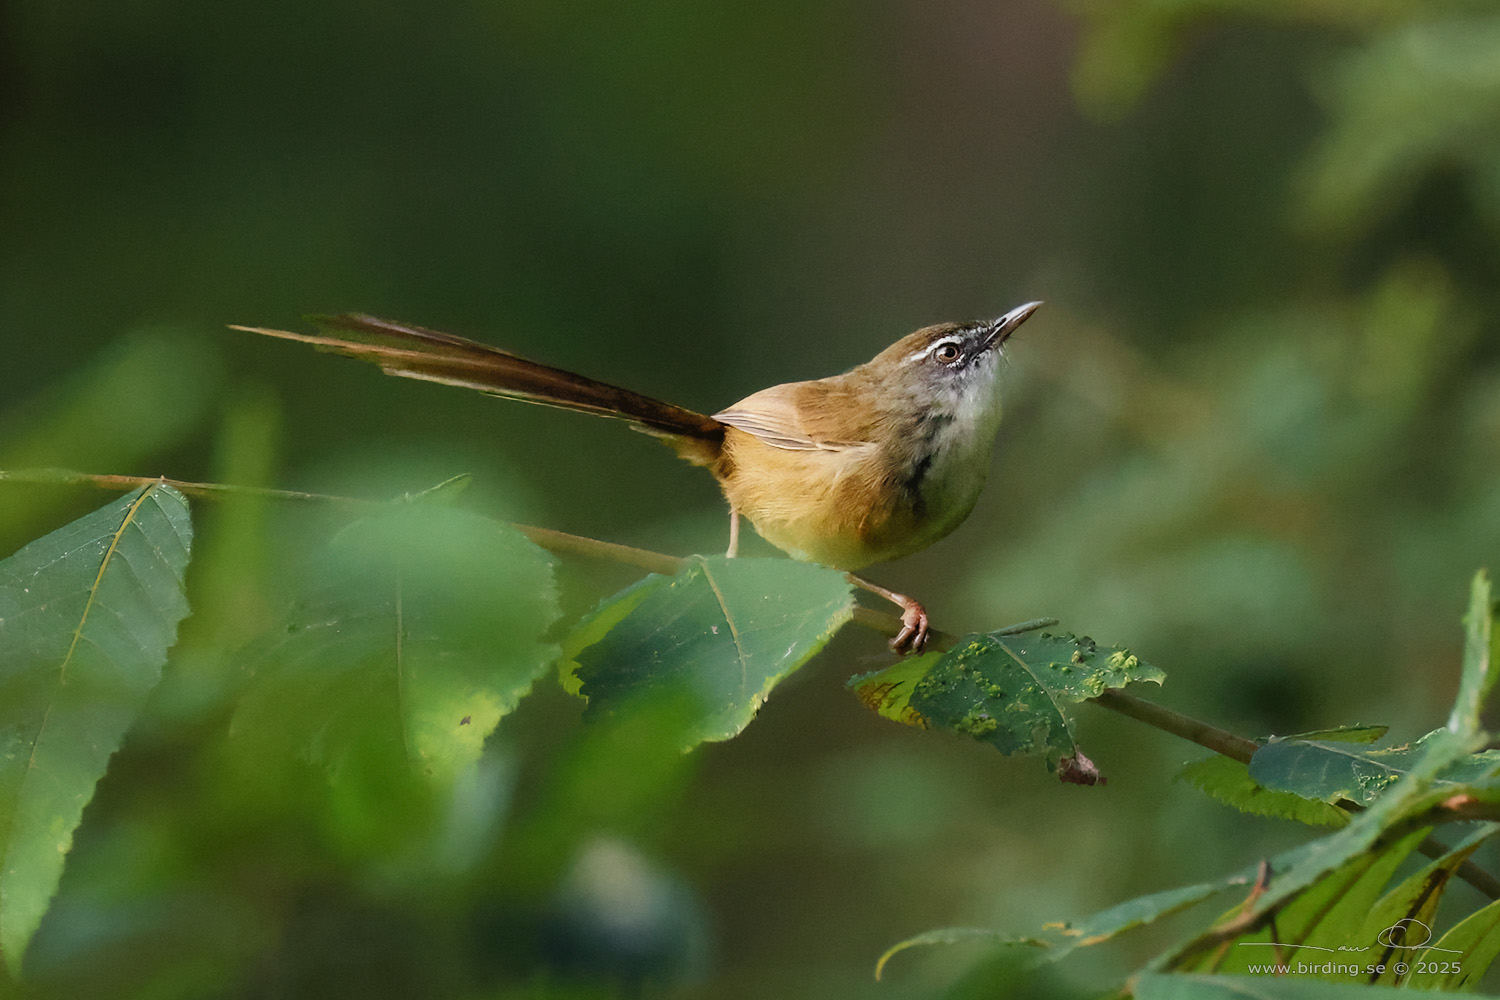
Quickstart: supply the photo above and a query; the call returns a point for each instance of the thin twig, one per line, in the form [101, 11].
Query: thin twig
[204, 491]
[1218, 740]
[565, 544]
[554, 541]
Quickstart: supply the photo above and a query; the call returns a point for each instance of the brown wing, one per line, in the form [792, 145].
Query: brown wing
[801, 416]
[415, 352]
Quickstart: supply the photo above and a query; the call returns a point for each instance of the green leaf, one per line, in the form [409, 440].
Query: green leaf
[888, 692]
[1333, 909]
[1344, 734]
[1478, 678]
[1262, 987]
[711, 642]
[1229, 782]
[1326, 772]
[1347, 916]
[447, 491]
[1463, 955]
[1061, 938]
[1008, 691]
[597, 624]
[954, 935]
[87, 615]
[427, 633]
[1396, 929]
[1330, 914]
[1325, 918]
[1295, 875]
[1142, 910]
[1316, 769]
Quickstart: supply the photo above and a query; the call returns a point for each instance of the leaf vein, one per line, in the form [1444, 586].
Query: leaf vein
[734, 632]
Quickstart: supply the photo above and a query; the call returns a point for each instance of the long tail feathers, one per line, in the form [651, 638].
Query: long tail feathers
[414, 352]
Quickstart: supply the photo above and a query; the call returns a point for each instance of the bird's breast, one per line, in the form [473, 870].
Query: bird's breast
[850, 507]
[947, 460]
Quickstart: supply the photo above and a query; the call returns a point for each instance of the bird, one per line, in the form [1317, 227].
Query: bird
[858, 468]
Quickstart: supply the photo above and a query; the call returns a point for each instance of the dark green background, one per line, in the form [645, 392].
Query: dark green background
[1253, 435]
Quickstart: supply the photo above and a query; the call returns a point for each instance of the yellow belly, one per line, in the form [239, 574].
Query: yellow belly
[844, 509]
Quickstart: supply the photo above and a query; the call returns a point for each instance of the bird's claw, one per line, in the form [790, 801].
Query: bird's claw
[914, 629]
[913, 634]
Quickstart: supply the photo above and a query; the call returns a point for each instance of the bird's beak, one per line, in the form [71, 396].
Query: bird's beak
[1002, 328]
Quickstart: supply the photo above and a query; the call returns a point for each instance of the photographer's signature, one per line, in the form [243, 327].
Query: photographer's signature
[1407, 933]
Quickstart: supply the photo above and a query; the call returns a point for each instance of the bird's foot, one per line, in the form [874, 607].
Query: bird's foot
[914, 626]
[913, 634]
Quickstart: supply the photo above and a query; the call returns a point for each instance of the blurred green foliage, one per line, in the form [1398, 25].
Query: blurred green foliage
[1255, 435]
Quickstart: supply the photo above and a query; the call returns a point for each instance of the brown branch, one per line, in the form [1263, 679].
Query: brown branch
[563, 543]
[1218, 740]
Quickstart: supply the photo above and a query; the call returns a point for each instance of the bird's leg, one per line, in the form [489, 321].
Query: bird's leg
[913, 634]
[734, 534]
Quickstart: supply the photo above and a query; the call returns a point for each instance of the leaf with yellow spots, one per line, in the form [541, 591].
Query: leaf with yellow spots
[1010, 691]
[1332, 770]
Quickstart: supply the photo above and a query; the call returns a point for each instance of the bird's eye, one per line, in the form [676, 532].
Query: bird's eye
[947, 354]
